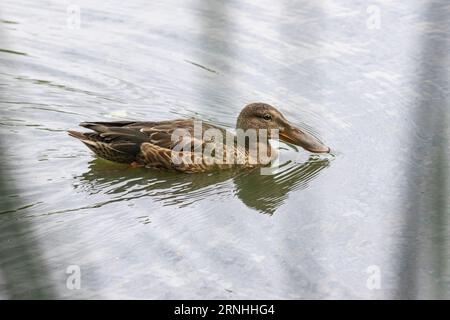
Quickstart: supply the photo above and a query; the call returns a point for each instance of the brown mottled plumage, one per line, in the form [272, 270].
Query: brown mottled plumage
[150, 144]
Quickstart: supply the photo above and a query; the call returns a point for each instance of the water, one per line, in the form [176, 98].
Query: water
[321, 227]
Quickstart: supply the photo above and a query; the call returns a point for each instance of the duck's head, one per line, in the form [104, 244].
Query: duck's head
[264, 116]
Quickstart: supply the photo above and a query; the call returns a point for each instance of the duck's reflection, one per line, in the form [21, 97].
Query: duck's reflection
[265, 193]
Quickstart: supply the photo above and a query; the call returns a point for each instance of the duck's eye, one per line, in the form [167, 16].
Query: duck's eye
[267, 117]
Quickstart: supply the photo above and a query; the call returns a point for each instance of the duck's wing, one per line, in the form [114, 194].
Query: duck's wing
[186, 133]
[163, 134]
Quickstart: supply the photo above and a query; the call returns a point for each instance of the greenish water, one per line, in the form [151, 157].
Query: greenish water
[315, 229]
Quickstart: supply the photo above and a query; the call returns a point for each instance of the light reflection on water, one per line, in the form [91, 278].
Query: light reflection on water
[380, 104]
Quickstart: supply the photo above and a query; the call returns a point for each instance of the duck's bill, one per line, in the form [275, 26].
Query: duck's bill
[304, 140]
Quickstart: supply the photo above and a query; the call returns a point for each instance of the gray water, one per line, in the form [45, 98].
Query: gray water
[371, 220]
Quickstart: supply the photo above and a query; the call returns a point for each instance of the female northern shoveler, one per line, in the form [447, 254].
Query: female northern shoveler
[154, 144]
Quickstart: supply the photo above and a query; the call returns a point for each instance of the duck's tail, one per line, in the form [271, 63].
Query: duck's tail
[110, 143]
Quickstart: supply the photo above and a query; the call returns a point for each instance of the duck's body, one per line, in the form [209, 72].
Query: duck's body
[154, 144]
[150, 144]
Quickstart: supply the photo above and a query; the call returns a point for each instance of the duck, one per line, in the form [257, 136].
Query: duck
[181, 144]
